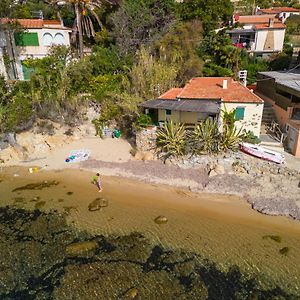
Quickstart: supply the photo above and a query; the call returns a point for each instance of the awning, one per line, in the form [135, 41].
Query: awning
[205, 106]
[240, 31]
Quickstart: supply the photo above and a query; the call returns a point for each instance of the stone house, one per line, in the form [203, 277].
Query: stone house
[281, 90]
[261, 35]
[207, 97]
[33, 41]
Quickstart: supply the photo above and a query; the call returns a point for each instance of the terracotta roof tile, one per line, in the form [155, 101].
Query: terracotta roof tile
[211, 88]
[170, 94]
[277, 10]
[34, 23]
[266, 26]
[256, 19]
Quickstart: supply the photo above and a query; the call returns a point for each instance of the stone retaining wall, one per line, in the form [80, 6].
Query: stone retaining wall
[146, 139]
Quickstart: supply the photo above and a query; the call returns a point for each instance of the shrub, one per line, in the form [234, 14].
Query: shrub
[172, 139]
[143, 121]
[249, 137]
[230, 138]
[205, 138]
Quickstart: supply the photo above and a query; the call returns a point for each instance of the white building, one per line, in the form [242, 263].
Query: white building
[259, 34]
[33, 42]
[281, 13]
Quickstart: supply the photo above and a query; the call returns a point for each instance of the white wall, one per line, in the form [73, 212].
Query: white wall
[252, 118]
[43, 48]
[261, 36]
[279, 39]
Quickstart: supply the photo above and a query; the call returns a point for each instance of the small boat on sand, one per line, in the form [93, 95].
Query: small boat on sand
[262, 153]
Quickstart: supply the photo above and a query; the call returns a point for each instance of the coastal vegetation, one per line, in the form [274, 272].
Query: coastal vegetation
[128, 64]
[206, 138]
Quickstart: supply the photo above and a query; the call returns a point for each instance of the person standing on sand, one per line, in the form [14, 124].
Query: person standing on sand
[97, 181]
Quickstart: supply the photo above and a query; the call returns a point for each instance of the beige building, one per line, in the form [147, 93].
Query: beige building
[34, 41]
[259, 34]
[208, 97]
[281, 91]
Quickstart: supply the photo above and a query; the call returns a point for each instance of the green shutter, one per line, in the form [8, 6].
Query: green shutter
[26, 72]
[240, 113]
[27, 39]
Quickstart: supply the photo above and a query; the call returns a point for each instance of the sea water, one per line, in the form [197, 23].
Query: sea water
[61, 239]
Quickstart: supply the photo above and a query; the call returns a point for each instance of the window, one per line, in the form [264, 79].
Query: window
[27, 39]
[168, 112]
[59, 39]
[240, 113]
[47, 39]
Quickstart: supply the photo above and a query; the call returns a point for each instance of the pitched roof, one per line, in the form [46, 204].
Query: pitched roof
[34, 23]
[211, 88]
[277, 10]
[256, 19]
[170, 94]
[267, 26]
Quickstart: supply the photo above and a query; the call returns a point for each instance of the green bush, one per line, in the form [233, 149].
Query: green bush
[172, 139]
[143, 121]
[249, 137]
[204, 139]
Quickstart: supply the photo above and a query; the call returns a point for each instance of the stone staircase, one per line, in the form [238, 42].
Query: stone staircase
[267, 140]
[268, 114]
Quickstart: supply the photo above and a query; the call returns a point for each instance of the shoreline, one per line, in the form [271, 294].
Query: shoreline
[270, 189]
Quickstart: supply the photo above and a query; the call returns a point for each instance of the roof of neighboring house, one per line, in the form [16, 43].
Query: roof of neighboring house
[267, 26]
[277, 10]
[255, 19]
[212, 88]
[35, 23]
[205, 106]
[282, 75]
[290, 80]
[292, 84]
[170, 94]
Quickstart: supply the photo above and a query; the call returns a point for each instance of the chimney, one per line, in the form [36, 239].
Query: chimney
[225, 84]
[271, 22]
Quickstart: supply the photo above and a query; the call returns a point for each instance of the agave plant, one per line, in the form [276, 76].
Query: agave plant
[230, 138]
[171, 139]
[205, 138]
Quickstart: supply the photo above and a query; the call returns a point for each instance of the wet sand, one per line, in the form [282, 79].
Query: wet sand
[221, 228]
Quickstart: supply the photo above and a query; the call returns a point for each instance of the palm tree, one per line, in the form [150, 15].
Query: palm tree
[84, 12]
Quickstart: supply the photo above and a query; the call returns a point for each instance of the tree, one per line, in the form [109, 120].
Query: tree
[212, 13]
[150, 77]
[141, 22]
[179, 47]
[85, 11]
[222, 58]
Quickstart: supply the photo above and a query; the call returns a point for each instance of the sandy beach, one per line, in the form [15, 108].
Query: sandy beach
[275, 193]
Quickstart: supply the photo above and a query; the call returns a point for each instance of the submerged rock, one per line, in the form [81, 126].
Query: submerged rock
[131, 293]
[36, 186]
[98, 204]
[161, 220]
[76, 249]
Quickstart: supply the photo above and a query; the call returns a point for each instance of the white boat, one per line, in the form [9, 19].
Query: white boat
[262, 153]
